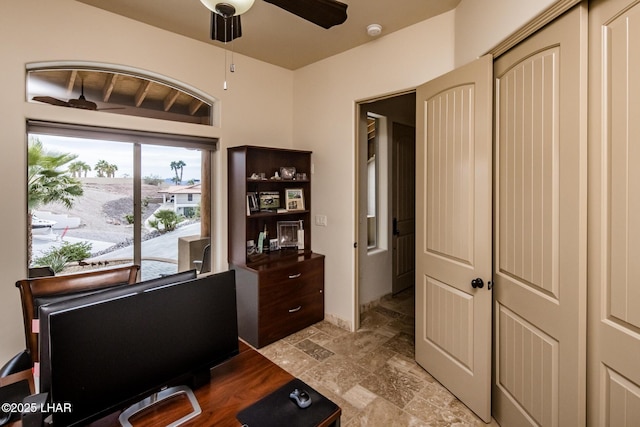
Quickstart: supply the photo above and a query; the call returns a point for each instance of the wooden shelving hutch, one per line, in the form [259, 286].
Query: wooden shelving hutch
[282, 291]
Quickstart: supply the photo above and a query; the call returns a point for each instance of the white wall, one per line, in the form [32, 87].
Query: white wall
[34, 30]
[323, 120]
[325, 95]
[483, 24]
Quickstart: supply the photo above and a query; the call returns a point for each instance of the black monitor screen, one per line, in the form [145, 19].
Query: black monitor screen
[109, 350]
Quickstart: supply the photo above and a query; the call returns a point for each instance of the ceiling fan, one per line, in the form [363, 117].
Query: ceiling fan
[81, 102]
[225, 14]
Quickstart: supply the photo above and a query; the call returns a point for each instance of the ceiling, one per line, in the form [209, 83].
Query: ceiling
[272, 35]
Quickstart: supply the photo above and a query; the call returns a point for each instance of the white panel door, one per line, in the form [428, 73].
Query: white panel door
[540, 228]
[453, 232]
[614, 214]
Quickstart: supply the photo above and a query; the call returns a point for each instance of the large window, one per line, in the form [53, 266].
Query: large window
[102, 197]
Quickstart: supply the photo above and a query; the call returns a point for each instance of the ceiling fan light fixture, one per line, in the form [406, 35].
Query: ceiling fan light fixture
[228, 8]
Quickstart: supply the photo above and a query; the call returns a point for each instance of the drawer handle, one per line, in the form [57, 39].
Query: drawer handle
[295, 276]
[293, 310]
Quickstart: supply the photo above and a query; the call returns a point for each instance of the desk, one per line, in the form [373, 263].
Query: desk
[235, 384]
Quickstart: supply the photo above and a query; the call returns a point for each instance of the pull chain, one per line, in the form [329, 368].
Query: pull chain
[232, 68]
[225, 53]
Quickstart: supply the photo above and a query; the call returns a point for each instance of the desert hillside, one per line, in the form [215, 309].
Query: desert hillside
[103, 207]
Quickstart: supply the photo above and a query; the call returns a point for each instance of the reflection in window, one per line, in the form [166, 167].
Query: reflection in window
[117, 92]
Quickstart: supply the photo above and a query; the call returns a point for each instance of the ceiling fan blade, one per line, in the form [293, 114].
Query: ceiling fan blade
[51, 100]
[225, 32]
[325, 13]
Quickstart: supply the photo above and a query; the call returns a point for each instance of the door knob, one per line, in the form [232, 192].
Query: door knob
[477, 283]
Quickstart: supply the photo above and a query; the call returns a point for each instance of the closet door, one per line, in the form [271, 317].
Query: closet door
[540, 227]
[614, 214]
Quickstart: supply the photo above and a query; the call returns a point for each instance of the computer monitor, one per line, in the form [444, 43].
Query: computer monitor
[102, 352]
[117, 289]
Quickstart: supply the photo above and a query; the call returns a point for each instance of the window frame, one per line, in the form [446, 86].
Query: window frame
[137, 138]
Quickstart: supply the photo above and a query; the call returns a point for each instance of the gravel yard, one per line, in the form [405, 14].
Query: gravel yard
[102, 211]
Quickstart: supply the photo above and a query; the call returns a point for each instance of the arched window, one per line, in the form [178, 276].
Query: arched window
[117, 90]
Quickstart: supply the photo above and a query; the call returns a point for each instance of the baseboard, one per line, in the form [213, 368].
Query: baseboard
[339, 322]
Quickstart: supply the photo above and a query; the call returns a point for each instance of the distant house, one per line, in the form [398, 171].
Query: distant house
[185, 199]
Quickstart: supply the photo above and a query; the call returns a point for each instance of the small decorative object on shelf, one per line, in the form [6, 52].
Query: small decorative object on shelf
[301, 236]
[251, 247]
[287, 172]
[263, 241]
[257, 176]
[294, 199]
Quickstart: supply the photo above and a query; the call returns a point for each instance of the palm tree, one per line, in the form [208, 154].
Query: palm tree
[78, 168]
[48, 181]
[178, 166]
[105, 169]
[111, 170]
[101, 168]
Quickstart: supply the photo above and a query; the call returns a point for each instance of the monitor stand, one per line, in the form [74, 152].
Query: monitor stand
[159, 397]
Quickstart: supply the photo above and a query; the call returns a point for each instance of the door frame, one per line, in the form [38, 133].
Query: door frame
[360, 136]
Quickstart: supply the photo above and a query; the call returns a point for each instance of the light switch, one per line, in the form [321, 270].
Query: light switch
[321, 220]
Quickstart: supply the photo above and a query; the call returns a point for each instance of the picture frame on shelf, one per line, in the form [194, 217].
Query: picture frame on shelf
[288, 234]
[294, 199]
[269, 201]
[287, 172]
[252, 203]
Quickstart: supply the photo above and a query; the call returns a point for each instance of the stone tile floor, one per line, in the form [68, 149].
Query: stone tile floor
[371, 374]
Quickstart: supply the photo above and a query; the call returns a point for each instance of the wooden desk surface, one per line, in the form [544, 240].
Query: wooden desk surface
[235, 384]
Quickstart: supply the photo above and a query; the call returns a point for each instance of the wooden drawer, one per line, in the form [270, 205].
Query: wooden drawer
[291, 298]
[278, 299]
[292, 271]
[294, 284]
[287, 316]
[284, 297]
